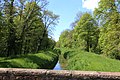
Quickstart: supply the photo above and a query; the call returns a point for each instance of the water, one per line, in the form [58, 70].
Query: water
[57, 67]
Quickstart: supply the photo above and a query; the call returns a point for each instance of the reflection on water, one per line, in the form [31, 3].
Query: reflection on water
[57, 67]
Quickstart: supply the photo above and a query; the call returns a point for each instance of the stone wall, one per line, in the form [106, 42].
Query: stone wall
[38, 74]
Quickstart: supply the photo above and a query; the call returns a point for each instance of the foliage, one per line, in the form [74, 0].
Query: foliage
[65, 39]
[84, 35]
[99, 34]
[77, 18]
[108, 14]
[58, 51]
[23, 27]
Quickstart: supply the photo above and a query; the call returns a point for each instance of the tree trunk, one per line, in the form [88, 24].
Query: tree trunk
[11, 37]
[41, 40]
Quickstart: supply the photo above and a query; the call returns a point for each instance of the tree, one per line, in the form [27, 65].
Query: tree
[85, 33]
[108, 14]
[50, 20]
[25, 26]
[9, 11]
[66, 39]
[3, 35]
[77, 18]
[30, 23]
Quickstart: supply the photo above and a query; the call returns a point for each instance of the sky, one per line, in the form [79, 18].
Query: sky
[67, 10]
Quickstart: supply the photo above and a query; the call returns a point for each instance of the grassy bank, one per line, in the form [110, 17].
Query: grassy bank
[87, 61]
[41, 60]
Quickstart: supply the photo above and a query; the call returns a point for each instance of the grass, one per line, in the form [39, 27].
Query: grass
[41, 60]
[87, 61]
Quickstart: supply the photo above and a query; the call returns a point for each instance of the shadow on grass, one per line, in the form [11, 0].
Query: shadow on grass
[43, 63]
[44, 60]
[36, 60]
[7, 64]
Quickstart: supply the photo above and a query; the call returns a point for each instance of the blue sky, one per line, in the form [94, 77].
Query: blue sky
[67, 10]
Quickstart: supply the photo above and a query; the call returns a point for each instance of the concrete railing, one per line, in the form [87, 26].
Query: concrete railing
[38, 74]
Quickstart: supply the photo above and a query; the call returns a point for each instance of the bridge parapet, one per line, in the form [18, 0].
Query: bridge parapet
[41, 74]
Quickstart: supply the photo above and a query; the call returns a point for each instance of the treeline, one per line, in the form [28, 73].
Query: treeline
[25, 26]
[99, 32]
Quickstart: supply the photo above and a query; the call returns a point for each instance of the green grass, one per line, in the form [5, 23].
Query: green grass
[87, 61]
[41, 60]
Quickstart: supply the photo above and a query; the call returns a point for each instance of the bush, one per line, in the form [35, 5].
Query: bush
[58, 51]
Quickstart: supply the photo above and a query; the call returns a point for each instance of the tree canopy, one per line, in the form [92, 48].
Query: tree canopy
[109, 14]
[25, 26]
[99, 32]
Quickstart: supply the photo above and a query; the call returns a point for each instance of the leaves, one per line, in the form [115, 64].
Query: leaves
[110, 31]
[85, 31]
[23, 29]
[83, 36]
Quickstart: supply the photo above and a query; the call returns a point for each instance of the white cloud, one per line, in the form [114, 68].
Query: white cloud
[90, 4]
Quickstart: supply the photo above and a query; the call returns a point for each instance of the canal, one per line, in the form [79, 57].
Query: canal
[58, 66]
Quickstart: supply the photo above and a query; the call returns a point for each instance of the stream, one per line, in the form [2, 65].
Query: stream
[57, 66]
